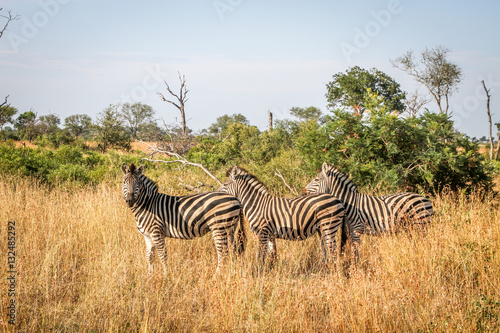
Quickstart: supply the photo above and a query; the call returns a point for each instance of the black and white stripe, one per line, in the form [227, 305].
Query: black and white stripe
[371, 214]
[292, 219]
[159, 215]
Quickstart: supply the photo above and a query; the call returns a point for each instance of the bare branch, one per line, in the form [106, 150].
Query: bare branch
[154, 150]
[9, 19]
[5, 102]
[293, 190]
[196, 187]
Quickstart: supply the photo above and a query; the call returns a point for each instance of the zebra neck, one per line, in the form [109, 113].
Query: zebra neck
[252, 197]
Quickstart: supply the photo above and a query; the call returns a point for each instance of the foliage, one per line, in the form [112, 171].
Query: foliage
[305, 114]
[6, 113]
[78, 124]
[110, 132]
[136, 116]
[417, 153]
[348, 90]
[222, 123]
[26, 125]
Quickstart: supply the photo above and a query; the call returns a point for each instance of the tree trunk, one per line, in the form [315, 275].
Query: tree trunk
[270, 114]
[489, 118]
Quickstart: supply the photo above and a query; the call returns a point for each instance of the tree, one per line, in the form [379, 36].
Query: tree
[349, 89]
[414, 103]
[306, 114]
[9, 18]
[48, 123]
[77, 124]
[433, 70]
[26, 125]
[487, 91]
[110, 130]
[6, 113]
[137, 115]
[181, 101]
[222, 123]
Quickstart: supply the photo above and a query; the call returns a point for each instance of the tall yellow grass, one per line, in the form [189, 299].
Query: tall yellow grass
[81, 267]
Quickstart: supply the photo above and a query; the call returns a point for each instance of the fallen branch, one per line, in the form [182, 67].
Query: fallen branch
[293, 190]
[192, 188]
[179, 159]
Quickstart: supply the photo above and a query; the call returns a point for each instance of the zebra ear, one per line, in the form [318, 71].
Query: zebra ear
[140, 169]
[324, 167]
[124, 168]
[232, 173]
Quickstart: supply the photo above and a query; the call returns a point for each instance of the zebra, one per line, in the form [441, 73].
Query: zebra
[159, 215]
[291, 219]
[370, 214]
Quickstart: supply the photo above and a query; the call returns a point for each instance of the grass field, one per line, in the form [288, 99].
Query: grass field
[81, 267]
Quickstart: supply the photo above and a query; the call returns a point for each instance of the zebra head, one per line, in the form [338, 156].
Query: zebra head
[331, 180]
[132, 183]
[230, 186]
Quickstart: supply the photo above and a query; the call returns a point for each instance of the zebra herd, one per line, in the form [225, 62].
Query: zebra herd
[331, 202]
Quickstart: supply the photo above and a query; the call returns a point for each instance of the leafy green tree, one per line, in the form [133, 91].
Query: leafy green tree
[110, 130]
[348, 90]
[78, 124]
[422, 153]
[433, 70]
[26, 125]
[305, 114]
[6, 114]
[48, 124]
[222, 123]
[137, 115]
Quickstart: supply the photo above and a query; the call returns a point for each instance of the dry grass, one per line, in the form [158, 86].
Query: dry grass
[81, 267]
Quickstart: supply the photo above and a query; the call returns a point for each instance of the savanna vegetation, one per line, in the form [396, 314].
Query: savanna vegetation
[80, 263]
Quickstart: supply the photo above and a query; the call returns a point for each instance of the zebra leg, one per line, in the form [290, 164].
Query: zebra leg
[271, 249]
[328, 231]
[150, 253]
[221, 237]
[159, 243]
[264, 239]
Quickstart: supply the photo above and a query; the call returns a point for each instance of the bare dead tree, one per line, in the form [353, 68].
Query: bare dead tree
[181, 100]
[9, 17]
[5, 102]
[489, 118]
[270, 120]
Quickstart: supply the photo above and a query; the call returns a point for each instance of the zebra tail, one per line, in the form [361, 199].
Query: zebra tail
[344, 235]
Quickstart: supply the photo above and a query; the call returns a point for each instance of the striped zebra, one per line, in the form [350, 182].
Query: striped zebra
[370, 214]
[292, 219]
[159, 215]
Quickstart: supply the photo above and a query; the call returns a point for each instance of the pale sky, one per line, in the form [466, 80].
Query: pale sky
[72, 56]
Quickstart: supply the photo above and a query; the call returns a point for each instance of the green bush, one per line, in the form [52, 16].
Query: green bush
[383, 149]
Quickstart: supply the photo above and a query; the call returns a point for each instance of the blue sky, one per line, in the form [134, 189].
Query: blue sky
[73, 56]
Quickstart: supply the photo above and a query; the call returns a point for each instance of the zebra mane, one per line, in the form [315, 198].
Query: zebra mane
[248, 177]
[149, 183]
[333, 172]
